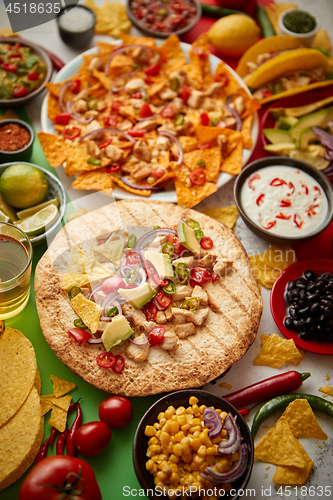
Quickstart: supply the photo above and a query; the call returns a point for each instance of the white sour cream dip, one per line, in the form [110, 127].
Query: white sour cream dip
[284, 200]
[76, 20]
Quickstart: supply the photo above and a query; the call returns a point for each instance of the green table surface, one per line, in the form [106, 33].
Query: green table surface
[114, 467]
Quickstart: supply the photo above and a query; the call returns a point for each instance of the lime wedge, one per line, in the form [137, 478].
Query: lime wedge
[11, 231]
[316, 161]
[6, 209]
[37, 223]
[3, 217]
[28, 212]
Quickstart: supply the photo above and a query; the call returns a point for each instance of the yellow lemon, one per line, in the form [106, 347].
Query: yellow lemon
[23, 185]
[233, 35]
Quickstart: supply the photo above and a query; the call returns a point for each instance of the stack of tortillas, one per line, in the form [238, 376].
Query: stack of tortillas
[21, 421]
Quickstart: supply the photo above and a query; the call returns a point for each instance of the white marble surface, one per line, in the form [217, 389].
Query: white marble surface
[243, 373]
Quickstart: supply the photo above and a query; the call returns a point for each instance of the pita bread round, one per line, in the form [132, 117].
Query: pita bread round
[226, 335]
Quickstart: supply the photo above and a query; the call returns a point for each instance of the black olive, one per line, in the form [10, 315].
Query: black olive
[288, 322]
[315, 309]
[291, 285]
[309, 275]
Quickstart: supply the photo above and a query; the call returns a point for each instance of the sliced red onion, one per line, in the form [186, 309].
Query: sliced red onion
[233, 442]
[123, 49]
[328, 170]
[124, 270]
[108, 129]
[328, 154]
[174, 139]
[115, 89]
[62, 91]
[234, 113]
[94, 341]
[235, 473]
[77, 116]
[151, 235]
[105, 318]
[213, 421]
[140, 343]
[143, 275]
[94, 291]
[325, 138]
[155, 114]
[109, 304]
[135, 186]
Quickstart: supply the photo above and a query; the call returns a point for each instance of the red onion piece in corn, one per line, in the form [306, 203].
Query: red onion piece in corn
[174, 139]
[135, 186]
[114, 131]
[234, 113]
[140, 343]
[77, 116]
[62, 91]
[115, 89]
[155, 114]
[213, 421]
[151, 235]
[233, 442]
[236, 471]
[123, 49]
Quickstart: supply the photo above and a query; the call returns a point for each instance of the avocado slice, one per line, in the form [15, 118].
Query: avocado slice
[187, 238]
[317, 119]
[305, 137]
[282, 149]
[138, 296]
[161, 262]
[276, 136]
[286, 122]
[315, 161]
[301, 110]
[116, 331]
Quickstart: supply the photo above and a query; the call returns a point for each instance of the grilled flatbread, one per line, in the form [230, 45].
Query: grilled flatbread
[229, 330]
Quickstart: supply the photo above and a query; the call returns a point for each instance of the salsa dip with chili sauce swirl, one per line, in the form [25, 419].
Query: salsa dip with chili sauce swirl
[284, 200]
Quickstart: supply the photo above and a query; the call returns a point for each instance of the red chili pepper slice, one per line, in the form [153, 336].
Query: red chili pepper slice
[311, 210]
[75, 86]
[251, 179]
[169, 111]
[156, 335]
[204, 119]
[105, 144]
[185, 93]
[306, 189]
[269, 225]
[267, 93]
[110, 120]
[71, 133]
[205, 145]
[292, 187]
[285, 203]
[164, 282]
[223, 78]
[214, 277]
[277, 182]
[198, 178]
[11, 67]
[16, 46]
[145, 111]
[158, 172]
[79, 335]
[119, 364]
[136, 133]
[62, 118]
[148, 79]
[153, 70]
[111, 170]
[163, 299]
[150, 310]
[33, 76]
[106, 360]
[260, 199]
[116, 105]
[298, 220]
[206, 243]
[20, 91]
[133, 258]
[283, 216]
[200, 275]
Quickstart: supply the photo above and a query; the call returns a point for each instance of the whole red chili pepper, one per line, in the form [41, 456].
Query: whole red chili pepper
[61, 442]
[53, 435]
[71, 450]
[43, 450]
[267, 389]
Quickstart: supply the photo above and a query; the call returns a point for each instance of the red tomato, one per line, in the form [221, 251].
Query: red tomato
[163, 300]
[110, 120]
[204, 119]
[156, 335]
[79, 335]
[168, 111]
[116, 412]
[206, 243]
[153, 70]
[20, 91]
[62, 119]
[113, 283]
[92, 438]
[200, 275]
[145, 111]
[57, 477]
[33, 76]
[75, 86]
[150, 310]
[179, 248]
[185, 93]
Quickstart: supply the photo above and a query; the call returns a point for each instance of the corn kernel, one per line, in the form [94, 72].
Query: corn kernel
[205, 438]
[202, 407]
[174, 427]
[189, 411]
[174, 478]
[210, 459]
[161, 475]
[235, 456]
[196, 434]
[150, 464]
[164, 437]
[187, 458]
[181, 419]
[196, 443]
[203, 466]
[195, 428]
[174, 459]
[155, 448]
[164, 467]
[193, 400]
[179, 436]
[212, 450]
[185, 427]
[167, 426]
[173, 467]
[153, 440]
[198, 460]
[202, 451]
[161, 415]
[150, 431]
[181, 410]
[194, 467]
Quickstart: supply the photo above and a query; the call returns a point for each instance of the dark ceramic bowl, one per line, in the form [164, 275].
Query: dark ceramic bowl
[158, 34]
[76, 39]
[55, 190]
[20, 101]
[291, 162]
[21, 154]
[176, 399]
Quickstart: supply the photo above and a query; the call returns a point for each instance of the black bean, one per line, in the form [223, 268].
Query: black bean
[292, 312]
[319, 284]
[312, 297]
[330, 285]
[326, 302]
[325, 277]
[305, 335]
[299, 324]
[315, 309]
[301, 283]
[295, 292]
[289, 296]
[329, 296]
[312, 288]
[309, 275]
[328, 312]
[291, 285]
[322, 319]
[301, 304]
[304, 312]
[309, 322]
[302, 294]
[288, 322]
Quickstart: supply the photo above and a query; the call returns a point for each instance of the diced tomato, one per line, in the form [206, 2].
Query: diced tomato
[33, 76]
[75, 86]
[138, 13]
[156, 335]
[177, 19]
[136, 132]
[206, 243]
[283, 216]
[153, 70]
[204, 119]
[116, 105]
[11, 67]
[185, 93]
[119, 364]
[79, 335]
[168, 111]
[160, 25]
[260, 199]
[20, 91]
[198, 178]
[205, 145]
[132, 258]
[137, 95]
[200, 52]
[251, 179]
[200, 275]
[15, 56]
[223, 78]
[110, 120]
[145, 111]
[105, 144]
[178, 6]
[179, 248]
[163, 299]
[106, 360]
[62, 119]
[150, 310]
[113, 283]
[148, 79]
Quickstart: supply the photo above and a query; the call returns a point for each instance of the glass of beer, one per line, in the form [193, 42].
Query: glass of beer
[15, 269]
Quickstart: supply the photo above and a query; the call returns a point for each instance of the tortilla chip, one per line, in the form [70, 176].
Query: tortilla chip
[60, 386]
[137, 40]
[327, 390]
[63, 402]
[295, 361]
[99, 273]
[322, 40]
[54, 88]
[199, 66]
[269, 265]
[280, 447]
[98, 180]
[211, 158]
[233, 84]
[302, 421]
[173, 56]
[233, 163]
[187, 143]
[225, 215]
[58, 418]
[291, 474]
[46, 403]
[8, 115]
[155, 88]
[246, 132]
[139, 192]
[77, 161]
[103, 79]
[189, 197]
[111, 18]
[276, 351]
[112, 251]
[54, 147]
[88, 311]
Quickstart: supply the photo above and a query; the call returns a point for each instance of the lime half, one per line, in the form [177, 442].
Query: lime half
[37, 223]
[316, 161]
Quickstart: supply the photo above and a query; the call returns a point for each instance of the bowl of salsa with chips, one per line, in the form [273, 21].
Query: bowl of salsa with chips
[161, 18]
[24, 69]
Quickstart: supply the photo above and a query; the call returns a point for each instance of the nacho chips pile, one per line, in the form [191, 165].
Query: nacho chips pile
[167, 114]
[280, 446]
[21, 421]
[276, 351]
[269, 265]
[111, 18]
[58, 402]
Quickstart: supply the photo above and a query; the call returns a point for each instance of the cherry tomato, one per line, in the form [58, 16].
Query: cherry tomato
[20, 91]
[116, 412]
[33, 76]
[132, 258]
[60, 476]
[79, 335]
[119, 364]
[204, 119]
[185, 93]
[150, 310]
[116, 105]
[11, 67]
[62, 119]
[169, 111]
[163, 299]
[110, 120]
[113, 283]
[206, 243]
[156, 335]
[92, 438]
[145, 111]
[179, 248]
[198, 178]
[75, 86]
[71, 133]
[153, 70]
[106, 360]
[200, 275]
